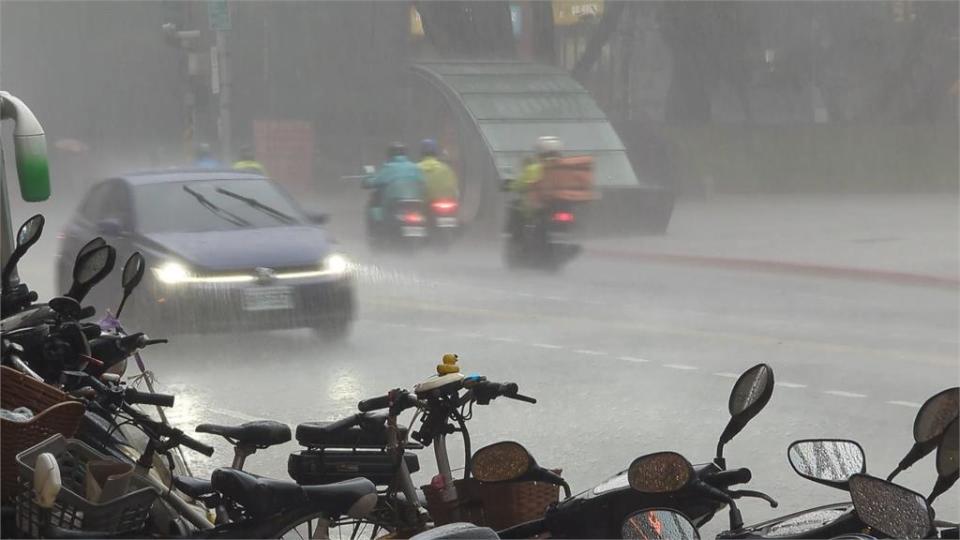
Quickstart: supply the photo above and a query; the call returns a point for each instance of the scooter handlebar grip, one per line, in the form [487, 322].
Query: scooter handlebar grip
[724, 479]
[373, 404]
[134, 396]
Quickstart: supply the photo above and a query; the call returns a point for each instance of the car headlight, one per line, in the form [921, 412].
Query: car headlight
[336, 263]
[172, 273]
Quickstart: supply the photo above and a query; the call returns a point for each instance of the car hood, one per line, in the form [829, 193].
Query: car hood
[273, 247]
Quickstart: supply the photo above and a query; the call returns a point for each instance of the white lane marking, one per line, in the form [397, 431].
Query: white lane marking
[429, 329]
[395, 325]
[790, 384]
[910, 404]
[633, 359]
[682, 367]
[469, 335]
[525, 294]
[504, 339]
[842, 393]
[547, 346]
[590, 352]
[727, 375]
[556, 298]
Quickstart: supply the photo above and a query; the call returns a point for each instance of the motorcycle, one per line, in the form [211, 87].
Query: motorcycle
[543, 239]
[404, 223]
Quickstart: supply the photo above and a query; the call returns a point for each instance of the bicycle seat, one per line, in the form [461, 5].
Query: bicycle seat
[194, 487]
[265, 497]
[262, 433]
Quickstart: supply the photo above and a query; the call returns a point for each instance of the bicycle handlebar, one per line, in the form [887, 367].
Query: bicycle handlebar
[134, 396]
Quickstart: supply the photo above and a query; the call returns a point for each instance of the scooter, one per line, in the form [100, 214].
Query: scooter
[403, 224]
[543, 240]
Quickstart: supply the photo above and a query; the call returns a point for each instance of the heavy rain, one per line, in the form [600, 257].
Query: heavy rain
[728, 184]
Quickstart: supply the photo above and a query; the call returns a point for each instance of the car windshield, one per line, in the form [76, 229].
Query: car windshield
[177, 206]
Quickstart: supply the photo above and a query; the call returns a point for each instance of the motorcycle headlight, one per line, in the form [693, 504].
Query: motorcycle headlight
[336, 263]
[172, 273]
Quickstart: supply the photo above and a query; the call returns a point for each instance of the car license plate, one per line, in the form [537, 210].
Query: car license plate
[414, 231]
[267, 298]
[446, 222]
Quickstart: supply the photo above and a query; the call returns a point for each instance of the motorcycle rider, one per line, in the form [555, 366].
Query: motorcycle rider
[248, 161]
[204, 157]
[440, 182]
[527, 207]
[398, 179]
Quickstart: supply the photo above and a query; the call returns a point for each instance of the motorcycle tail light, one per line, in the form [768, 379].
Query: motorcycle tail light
[412, 217]
[563, 217]
[444, 206]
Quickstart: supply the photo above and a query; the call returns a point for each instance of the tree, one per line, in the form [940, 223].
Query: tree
[468, 29]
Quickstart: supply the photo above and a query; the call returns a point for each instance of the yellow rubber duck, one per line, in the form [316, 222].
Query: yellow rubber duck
[449, 365]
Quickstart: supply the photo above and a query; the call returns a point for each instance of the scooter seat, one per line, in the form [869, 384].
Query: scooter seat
[264, 497]
[262, 433]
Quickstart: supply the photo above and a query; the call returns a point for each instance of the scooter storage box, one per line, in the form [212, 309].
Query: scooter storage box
[309, 467]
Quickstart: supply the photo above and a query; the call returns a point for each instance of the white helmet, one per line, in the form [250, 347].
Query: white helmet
[549, 145]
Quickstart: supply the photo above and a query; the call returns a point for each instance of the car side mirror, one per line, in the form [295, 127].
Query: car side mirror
[509, 461]
[948, 460]
[110, 227]
[830, 462]
[132, 275]
[369, 170]
[662, 472]
[932, 420]
[27, 235]
[892, 510]
[91, 268]
[658, 523]
[749, 396]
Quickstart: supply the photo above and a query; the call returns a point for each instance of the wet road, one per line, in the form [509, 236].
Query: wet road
[624, 358]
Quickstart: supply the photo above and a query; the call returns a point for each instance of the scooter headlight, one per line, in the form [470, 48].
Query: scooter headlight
[336, 263]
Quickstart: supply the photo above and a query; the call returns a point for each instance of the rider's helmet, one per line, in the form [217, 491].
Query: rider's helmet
[549, 146]
[396, 149]
[203, 151]
[428, 147]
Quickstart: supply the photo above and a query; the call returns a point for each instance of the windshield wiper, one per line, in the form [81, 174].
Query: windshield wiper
[217, 211]
[276, 214]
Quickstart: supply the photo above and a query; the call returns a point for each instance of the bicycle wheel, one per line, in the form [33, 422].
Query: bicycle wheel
[346, 528]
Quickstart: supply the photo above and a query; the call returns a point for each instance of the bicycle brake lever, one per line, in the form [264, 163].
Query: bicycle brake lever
[736, 494]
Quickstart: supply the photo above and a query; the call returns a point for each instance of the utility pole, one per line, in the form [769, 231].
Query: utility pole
[223, 51]
[218, 12]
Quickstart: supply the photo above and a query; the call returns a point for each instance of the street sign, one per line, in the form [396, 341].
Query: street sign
[218, 12]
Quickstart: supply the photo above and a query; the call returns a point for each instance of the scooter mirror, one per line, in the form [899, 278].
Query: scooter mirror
[658, 523]
[662, 472]
[30, 231]
[27, 236]
[46, 480]
[90, 269]
[827, 461]
[948, 461]
[132, 274]
[749, 396]
[892, 510]
[928, 427]
[509, 461]
[88, 247]
[501, 462]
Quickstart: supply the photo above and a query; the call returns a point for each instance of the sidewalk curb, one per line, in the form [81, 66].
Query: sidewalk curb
[760, 265]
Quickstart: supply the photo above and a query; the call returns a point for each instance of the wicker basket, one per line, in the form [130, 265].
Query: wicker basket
[53, 413]
[497, 506]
